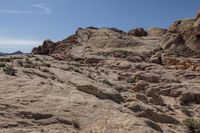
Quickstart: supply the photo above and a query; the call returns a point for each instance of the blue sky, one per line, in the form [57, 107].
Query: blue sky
[26, 23]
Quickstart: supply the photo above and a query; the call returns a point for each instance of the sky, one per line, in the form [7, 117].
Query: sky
[25, 24]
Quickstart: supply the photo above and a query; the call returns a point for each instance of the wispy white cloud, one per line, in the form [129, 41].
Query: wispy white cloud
[14, 11]
[43, 9]
[18, 42]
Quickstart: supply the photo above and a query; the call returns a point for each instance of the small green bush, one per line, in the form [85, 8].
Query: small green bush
[193, 125]
[105, 81]
[186, 111]
[2, 65]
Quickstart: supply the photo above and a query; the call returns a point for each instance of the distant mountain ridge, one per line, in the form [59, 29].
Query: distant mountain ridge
[14, 53]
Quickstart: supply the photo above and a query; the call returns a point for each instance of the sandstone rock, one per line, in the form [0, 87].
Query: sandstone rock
[89, 86]
[148, 77]
[177, 92]
[155, 98]
[158, 117]
[32, 98]
[156, 32]
[165, 92]
[92, 60]
[137, 107]
[90, 89]
[197, 23]
[142, 98]
[140, 86]
[148, 112]
[198, 15]
[180, 26]
[45, 49]
[153, 125]
[190, 97]
[156, 58]
[105, 80]
[134, 59]
[193, 42]
[182, 37]
[172, 40]
[170, 60]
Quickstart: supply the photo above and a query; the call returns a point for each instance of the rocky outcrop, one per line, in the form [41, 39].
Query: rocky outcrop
[184, 36]
[139, 32]
[156, 32]
[105, 80]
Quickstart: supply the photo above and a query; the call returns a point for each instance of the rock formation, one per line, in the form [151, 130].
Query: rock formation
[104, 80]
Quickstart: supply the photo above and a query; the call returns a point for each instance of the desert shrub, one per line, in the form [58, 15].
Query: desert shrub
[2, 65]
[5, 60]
[192, 125]
[186, 111]
[105, 81]
[9, 70]
[76, 123]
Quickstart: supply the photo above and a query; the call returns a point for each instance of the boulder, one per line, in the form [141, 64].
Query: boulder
[158, 117]
[156, 32]
[140, 86]
[148, 77]
[138, 32]
[190, 96]
[46, 48]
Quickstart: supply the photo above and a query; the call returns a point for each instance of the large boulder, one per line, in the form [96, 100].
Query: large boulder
[45, 49]
[139, 32]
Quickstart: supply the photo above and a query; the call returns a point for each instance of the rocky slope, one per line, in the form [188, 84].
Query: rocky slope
[105, 81]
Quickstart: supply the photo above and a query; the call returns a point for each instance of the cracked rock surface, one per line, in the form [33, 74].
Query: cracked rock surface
[105, 81]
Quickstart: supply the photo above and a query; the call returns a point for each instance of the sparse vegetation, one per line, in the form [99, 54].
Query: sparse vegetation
[10, 70]
[105, 81]
[76, 123]
[2, 65]
[5, 60]
[186, 111]
[193, 125]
